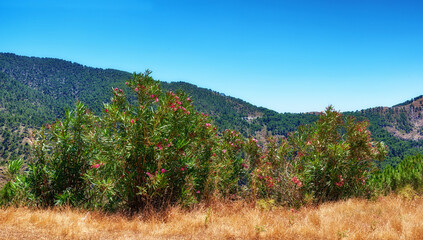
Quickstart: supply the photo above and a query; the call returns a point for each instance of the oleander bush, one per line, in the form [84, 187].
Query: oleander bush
[335, 157]
[154, 150]
[329, 160]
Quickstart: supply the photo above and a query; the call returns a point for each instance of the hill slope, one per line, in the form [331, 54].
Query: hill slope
[400, 127]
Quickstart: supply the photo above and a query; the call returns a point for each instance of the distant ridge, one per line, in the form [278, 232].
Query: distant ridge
[411, 101]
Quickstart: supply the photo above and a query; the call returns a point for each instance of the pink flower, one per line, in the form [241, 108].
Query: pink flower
[106, 110]
[198, 192]
[95, 166]
[157, 99]
[224, 150]
[132, 120]
[116, 89]
[163, 171]
[188, 99]
[341, 181]
[126, 83]
[149, 174]
[136, 89]
[296, 181]
[182, 169]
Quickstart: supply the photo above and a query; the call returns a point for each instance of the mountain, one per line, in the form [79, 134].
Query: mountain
[35, 91]
[410, 120]
[399, 126]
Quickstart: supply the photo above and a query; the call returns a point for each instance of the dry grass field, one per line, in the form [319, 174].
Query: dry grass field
[390, 217]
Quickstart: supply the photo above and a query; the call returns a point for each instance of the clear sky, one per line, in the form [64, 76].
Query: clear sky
[286, 55]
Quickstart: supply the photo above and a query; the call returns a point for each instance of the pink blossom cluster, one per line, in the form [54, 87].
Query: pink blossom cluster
[177, 104]
[269, 181]
[155, 173]
[296, 181]
[341, 181]
[97, 165]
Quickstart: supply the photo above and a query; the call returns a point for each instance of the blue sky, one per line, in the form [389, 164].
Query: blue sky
[289, 56]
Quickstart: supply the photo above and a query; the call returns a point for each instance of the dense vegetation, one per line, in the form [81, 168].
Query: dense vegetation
[34, 91]
[159, 151]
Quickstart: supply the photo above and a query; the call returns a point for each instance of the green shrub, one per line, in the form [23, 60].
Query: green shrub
[63, 153]
[329, 160]
[154, 152]
[408, 173]
[335, 156]
[16, 191]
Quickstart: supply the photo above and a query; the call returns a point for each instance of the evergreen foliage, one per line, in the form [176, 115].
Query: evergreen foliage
[407, 173]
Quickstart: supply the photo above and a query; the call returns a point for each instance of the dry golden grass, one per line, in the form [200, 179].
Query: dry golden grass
[387, 218]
